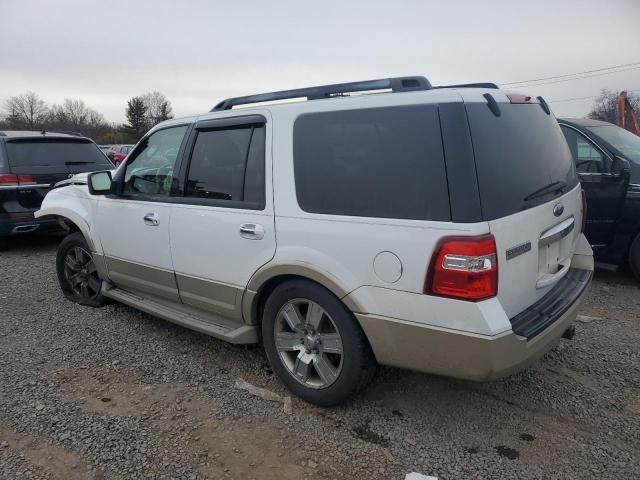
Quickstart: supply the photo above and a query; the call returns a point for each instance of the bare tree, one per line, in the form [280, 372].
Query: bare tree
[76, 113]
[158, 108]
[26, 110]
[605, 107]
[96, 119]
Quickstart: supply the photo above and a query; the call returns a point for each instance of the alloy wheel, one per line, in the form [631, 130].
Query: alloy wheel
[308, 343]
[80, 273]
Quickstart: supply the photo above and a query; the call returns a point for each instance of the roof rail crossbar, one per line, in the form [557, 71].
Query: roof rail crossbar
[398, 84]
[470, 85]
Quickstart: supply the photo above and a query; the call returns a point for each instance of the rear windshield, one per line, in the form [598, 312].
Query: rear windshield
[376, 162]
[61, 153]
[522, 158]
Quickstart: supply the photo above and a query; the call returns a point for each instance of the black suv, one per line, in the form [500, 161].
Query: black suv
[30, 164]
[607, 158]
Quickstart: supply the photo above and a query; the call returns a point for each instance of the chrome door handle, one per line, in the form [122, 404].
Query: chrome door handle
[152, 219]
[252, 231]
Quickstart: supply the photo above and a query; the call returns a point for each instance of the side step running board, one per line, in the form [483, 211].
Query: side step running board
[243, 334]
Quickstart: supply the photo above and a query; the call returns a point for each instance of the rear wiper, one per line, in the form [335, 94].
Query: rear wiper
[551, 188]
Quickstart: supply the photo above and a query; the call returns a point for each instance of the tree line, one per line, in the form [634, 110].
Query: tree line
[28, 111]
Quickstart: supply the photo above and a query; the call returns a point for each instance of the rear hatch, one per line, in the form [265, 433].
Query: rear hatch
[530, 196]
[47, 160]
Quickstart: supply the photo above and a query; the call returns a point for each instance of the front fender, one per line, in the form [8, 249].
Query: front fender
[74, 207]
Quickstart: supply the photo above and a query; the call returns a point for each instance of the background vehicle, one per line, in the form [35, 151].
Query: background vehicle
[30, 164]
[117, 153]
[105, 148]
[121, 154]
[607, 158]
[430, 228]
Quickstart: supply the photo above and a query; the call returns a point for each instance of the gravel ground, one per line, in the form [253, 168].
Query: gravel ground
[113, 393]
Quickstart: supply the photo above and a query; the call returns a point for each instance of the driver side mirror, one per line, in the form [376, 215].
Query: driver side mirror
[620, 166]
[99, 183]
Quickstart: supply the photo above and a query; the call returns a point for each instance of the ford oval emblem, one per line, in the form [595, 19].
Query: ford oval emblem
[558, 209]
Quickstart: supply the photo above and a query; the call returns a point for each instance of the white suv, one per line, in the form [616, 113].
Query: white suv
[430, 228]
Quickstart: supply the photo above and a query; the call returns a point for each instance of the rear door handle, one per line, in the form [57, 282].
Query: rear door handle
[252, 231]
[152, 219]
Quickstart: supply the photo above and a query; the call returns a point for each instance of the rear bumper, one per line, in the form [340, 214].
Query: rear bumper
[459, 354]
[473, 356]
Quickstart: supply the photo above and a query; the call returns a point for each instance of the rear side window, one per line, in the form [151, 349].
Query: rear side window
[518, 154]
[585, 155]
[62, 153]
[379, 162]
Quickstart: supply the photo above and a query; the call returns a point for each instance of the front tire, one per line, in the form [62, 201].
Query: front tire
[77, 273]
[634, 257]
[314, 344]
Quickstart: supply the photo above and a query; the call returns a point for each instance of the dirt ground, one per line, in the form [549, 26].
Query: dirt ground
[115, 394]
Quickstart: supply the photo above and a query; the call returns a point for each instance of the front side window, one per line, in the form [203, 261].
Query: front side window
[228, 165]
[150, 170]
[587, 158]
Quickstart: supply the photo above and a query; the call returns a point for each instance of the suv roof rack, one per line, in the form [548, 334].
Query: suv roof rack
[470, 85]
[397, 84]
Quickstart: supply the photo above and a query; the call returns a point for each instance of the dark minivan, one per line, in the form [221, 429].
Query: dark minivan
[30, 164]
[607, 158]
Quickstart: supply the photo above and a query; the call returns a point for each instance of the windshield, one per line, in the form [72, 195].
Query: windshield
[626, 142]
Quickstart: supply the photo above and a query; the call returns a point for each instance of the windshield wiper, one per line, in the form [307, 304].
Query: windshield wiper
[554, 187]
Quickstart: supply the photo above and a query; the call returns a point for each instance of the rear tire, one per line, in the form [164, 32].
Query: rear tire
[77, 273]
[314, 344]
[634, 257]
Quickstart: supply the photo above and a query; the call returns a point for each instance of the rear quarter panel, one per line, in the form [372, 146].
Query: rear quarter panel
[346, 246]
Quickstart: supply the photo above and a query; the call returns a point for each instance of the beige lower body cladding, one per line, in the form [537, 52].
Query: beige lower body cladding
[455, 353]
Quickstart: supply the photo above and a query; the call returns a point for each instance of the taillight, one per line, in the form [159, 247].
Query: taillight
[464, 268]
[9, 180]
[518, 98]
[584, 211]
[25, 179]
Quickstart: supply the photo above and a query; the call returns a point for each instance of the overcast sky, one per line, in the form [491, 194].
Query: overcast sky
[198, 52]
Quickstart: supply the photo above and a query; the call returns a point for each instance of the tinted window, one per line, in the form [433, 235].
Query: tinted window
[380, 162]
[626, 142]
[61, 153]
[518, 153]
[586, 157]
[228, 165]
[150, 167]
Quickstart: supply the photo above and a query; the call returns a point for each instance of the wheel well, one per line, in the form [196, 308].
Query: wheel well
[269, 286]
[68, 225]
[265, 291]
